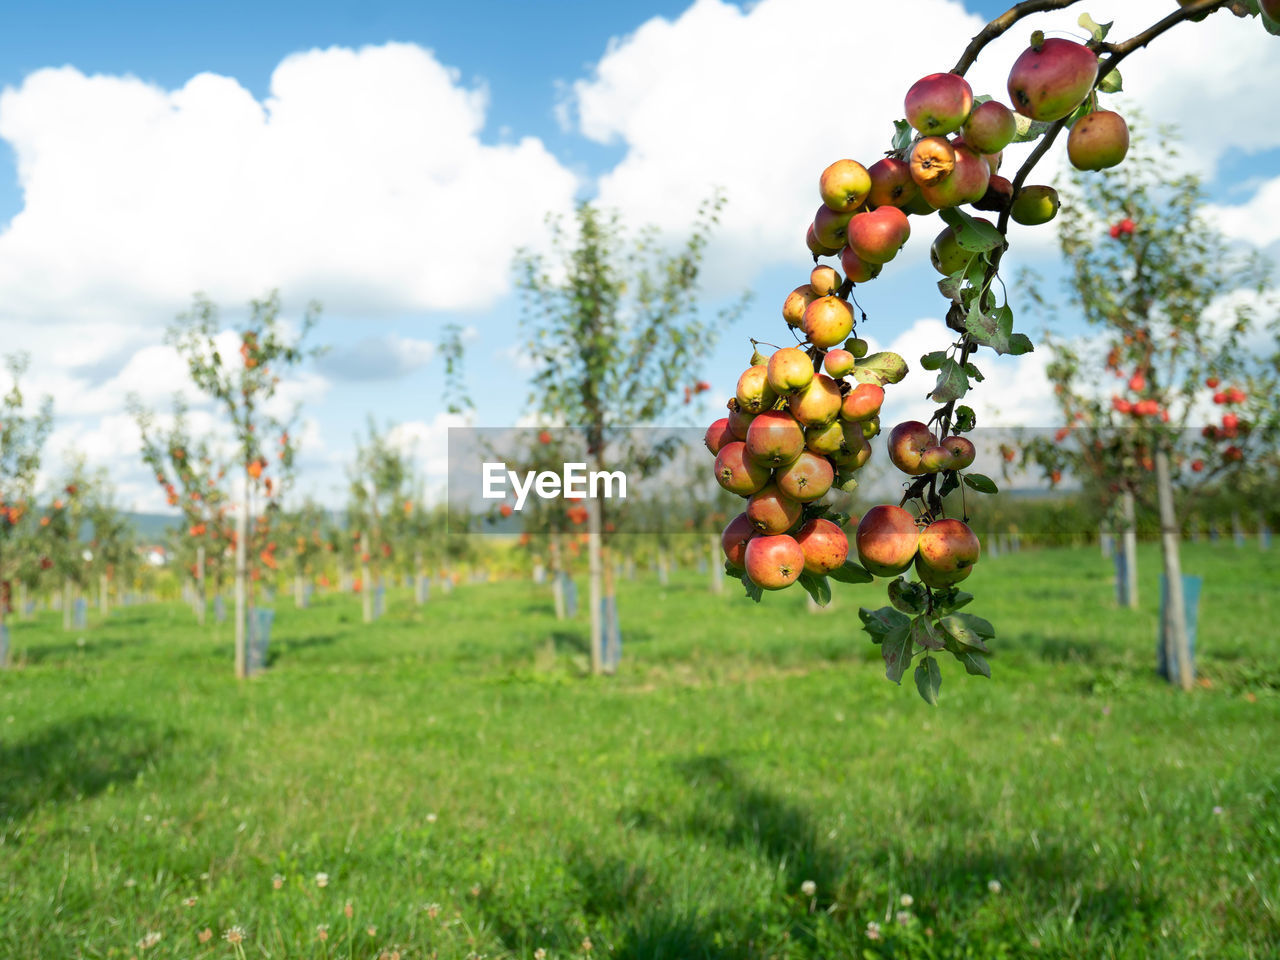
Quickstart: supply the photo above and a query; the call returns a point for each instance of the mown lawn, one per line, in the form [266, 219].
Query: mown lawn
[469, 793]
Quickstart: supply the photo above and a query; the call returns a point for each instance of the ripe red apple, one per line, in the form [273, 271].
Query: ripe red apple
[891, 184]
[774, 439]
[907, 443]
[733, 541]
[1197, 465]
[739, 422]
[774, 562]
[818, 403]
[797, 301]
[789, 369]
[1049, 81]
[886, 540]
[717, 435]
[816, 248]
[830, 227]
[990, 128]
[807, 479]
[839, 363]
[737, 472]
[772, 511]
[844, 185]
[932, 159]
[754, 393]
[967, 182]
[862, 402]
[1212, 382]
[934, 459]
[857, 270]
[825, 546]
[948, 549]
[828, 320]
[962, 451]
[1097, 141]
[824, 280]
[877, 236]
[826, 439]
[938, 104]
[1137, 383]
[1035, 205]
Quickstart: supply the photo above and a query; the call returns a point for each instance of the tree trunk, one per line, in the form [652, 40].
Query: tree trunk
[596, 560]
[418, 597]
[1128, 513]
[241, 591]
[716, 564]
[299, 591]
[202, 599]
[66, 603]
[23, 614]
[557, 580]
[4, 637]
[104, 600]
[366, 587]
[1237, 529]
[1174, 628]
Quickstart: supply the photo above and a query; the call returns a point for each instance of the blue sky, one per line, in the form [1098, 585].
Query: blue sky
[566, 99]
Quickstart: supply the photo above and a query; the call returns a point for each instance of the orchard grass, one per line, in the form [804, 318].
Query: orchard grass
[458, 781]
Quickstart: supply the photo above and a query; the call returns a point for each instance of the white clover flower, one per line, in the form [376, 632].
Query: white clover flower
[808, 888]
[322, 879]
[906, 900]
[994, 886]
[873, 930]
[149, 940]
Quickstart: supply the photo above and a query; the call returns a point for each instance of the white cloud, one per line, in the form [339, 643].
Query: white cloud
[361, 180]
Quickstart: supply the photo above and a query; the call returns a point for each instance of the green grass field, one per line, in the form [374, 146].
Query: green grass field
[469, 793]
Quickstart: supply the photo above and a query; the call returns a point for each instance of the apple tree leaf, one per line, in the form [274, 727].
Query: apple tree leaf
[966, 419]
[929, 680]
[972, 234]
[952, 383]
[1028, 129]
[816, 587]
[1112, 82]
[981, 483]
[932, 361]
[880, 623]
[902, 136]
[850, 572]
[896, 650]
[974, 664]
[1099, 30]
[960, 633]
[754, 592]
[910, 598]
[924, 633]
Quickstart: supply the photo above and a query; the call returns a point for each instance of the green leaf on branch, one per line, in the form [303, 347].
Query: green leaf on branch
[850, 572]
[966, 419]
[981, 483]
[929, 680]
[902, 136]
[950, 286]
[974, 373]
[975, 664]
[910, 598]
[973, 235]
[817, 587]
[932, 361]
[896, 650]
[880, 368]
[1111, 83]
[952, 383]
[964, 631]
[950, 483]
[880, 623]
[951, 600]
[924, 633]
[754, 592]
[994, 329]
[1099, 30]
[1028, 129]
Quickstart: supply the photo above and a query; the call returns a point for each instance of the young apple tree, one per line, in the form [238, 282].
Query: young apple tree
[23, 432]
[802, 417]
[612, 324]
[381, 477]
[243, 385]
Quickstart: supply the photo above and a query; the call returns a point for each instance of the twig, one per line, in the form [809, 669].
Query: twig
[1000, 25]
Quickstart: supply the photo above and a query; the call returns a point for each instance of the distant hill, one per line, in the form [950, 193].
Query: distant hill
[152, 526]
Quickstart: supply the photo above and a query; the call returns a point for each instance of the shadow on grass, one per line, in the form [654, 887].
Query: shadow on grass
[654, 911]
[75, 759]
[283, 648]
[70, 649]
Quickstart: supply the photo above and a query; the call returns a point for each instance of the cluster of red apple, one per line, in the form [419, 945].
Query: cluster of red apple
[700, 387]
[1121, 228]
[793, 432]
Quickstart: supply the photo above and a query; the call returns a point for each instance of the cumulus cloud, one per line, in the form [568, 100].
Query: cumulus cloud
[362, 180]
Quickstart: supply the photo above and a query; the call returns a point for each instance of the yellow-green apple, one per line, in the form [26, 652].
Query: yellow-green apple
[797, 301]
[717, 435]
[946, 254]
[830, 227]
[1098, 140]
[734, 539]
[990, 128]
[886, 540]
[739, 422]
[774, 439]
[807, 479]
[737, 472]
[891, 183]
[966, 184]
[948, 549]
[907, 443]
[938, 104]
[857, 346]
[772, 511]
[844, 185]
[932, 159]
[862, 402]
[774, 562]
[1034, 205]
[871, 428]
[1048, 81]
[839, 362]
[818, 403]
[854, 451]
[824, 280]
[816, 248]
[856, 269]
[754, 393]
[918, 206]
[825, 439]
[789, 369]
[828, 320]
[825, 546]
[962, 451]
[877, 236]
